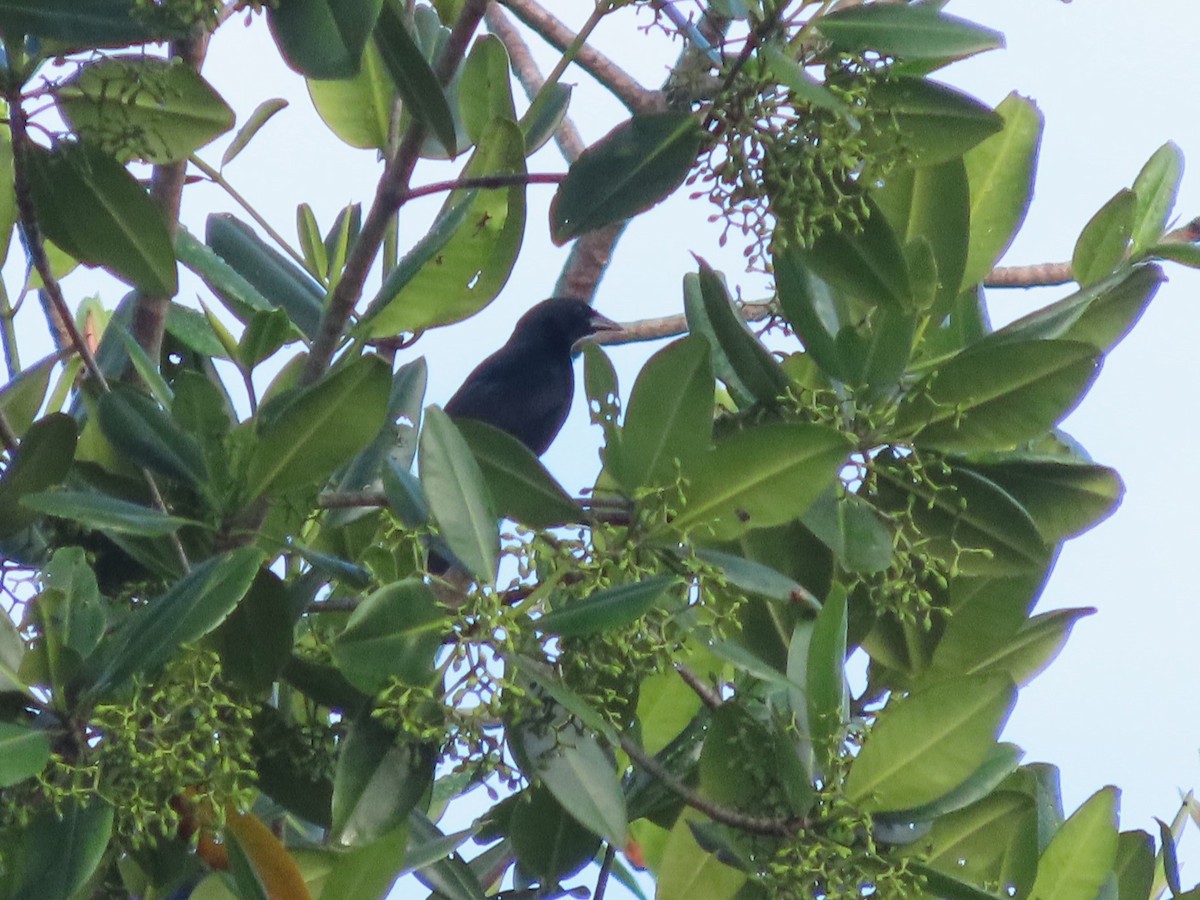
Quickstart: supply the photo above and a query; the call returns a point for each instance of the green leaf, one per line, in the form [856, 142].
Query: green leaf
[22, 395]
[23, 753]
[1081, 855]
[520, 486]
[90, 206]
[142, 107]
[852, 529]
[546, 840]
[986, 614]
[764, 476]
[580, 775]
[752, 576]
[358, 109]
[62, 848]
[1134, 866]
[1000, 763]
[415, 81]
[814, 310]
[805, 89]
[464, 260]
[1001, 173]
[1065, 499]
[145, 434]
[923, 747]
[1184, 254]
[96, 23]
[1156, 187]
[1170, 861]
[255, 640]
[238, 295]
[377, 783]
[193, 606]
[265, 333]
[607, 609]
[933, 204]
[949, 887]
[669, 419]
[868, 263]
[312, 248]
[632, 168]
[367, 872]
[688, 870]
[1105, 241]
[103, 513]
[828, 706]
[458, 495]
[1099, 315]
[999, 396]
[909, 32]
[739, 359]
[323, 38]
[966, 520]
[1034, 646]
[393, 634]
[451, 878]
[42, 460]
[254, 123]
[319, 428]
[933, 122]
[485, 86]
[545, 116]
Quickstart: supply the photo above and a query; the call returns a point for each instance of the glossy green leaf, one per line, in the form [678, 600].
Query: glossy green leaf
[764, 476]
[323, 38]
[1001, 173]
[451, 877]
[319, 428]
[948, 887]
[23, 395]
[1104, 242]
[688, 870]
[272, 275]
[520, 486]
[549, 683]
[415, 81]
[1134, 865]
[8, 197]
[828, 695]
[632, 168]
[923, 747]
[367, 872]
[192, 607]
[458, 495]
[429, 847]
[876, 350]
[254, 123]
[933, 204]
[394, 633]
[1034, 646]
[1170, 858]
[1184, 254]
[23, 753]
[144, 433]
[909, 32]
[1081, 855]
[142, 107]
[1064, 499]
[464, 260]
[485, 86]
[358, 109]
[669, 419]
[607, 609]
[312, 248]
[544, 117]
[813, 310]
[933, 122]
[98, 23]
[1100, 315]
[868, 264]
[265, 333]
[41, 461]
[850, 527]
[377, 782]
[104, 513]
[238, 295]
[255, 640]
[999, 396]
[89, 205]
[805, 89]
[986, 614]
[1001, 762]
[738, 358]
[62, 848]
[546, 839]
[967, 520]
[1156, 187]
[752, 576]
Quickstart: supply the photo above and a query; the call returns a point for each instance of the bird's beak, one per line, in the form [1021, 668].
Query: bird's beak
[601, 324]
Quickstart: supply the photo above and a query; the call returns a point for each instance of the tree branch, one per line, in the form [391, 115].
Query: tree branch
[620, 83]
[707, 695]
[484, 181]
[389, 197]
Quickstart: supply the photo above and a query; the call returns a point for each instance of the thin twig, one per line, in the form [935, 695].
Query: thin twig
[707, 695]
[484, 181]
[605, 869]
[389, 196]
[615, 79]
[777, 827]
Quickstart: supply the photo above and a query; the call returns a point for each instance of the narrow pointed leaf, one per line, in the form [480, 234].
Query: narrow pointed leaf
[1156, 187]
[868, 263]
[103, 513]
[254, 123]
[937, 122]
[606, 610]
[144, 433]
[1081, 855]
[910, 32]
[414, 79]
[1105, 240]
[323, 38]
[62, 849]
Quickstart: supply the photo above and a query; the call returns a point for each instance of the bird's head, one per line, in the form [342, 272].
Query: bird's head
[563, 321]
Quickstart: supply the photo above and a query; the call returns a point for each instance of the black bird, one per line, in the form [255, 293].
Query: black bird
[526, 387]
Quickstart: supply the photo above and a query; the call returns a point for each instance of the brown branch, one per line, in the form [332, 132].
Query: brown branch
[149, 320]
[707, 695]
[389, 196]
[775, 827]
[669, 326]
[620, 83]
[484, 181]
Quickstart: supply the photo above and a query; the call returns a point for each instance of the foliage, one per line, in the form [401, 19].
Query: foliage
[230, 670]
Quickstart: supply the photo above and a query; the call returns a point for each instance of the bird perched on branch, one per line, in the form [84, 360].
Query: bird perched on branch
[526, 387]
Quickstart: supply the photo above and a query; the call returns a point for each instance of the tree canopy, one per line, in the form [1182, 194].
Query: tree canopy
[231, 669]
